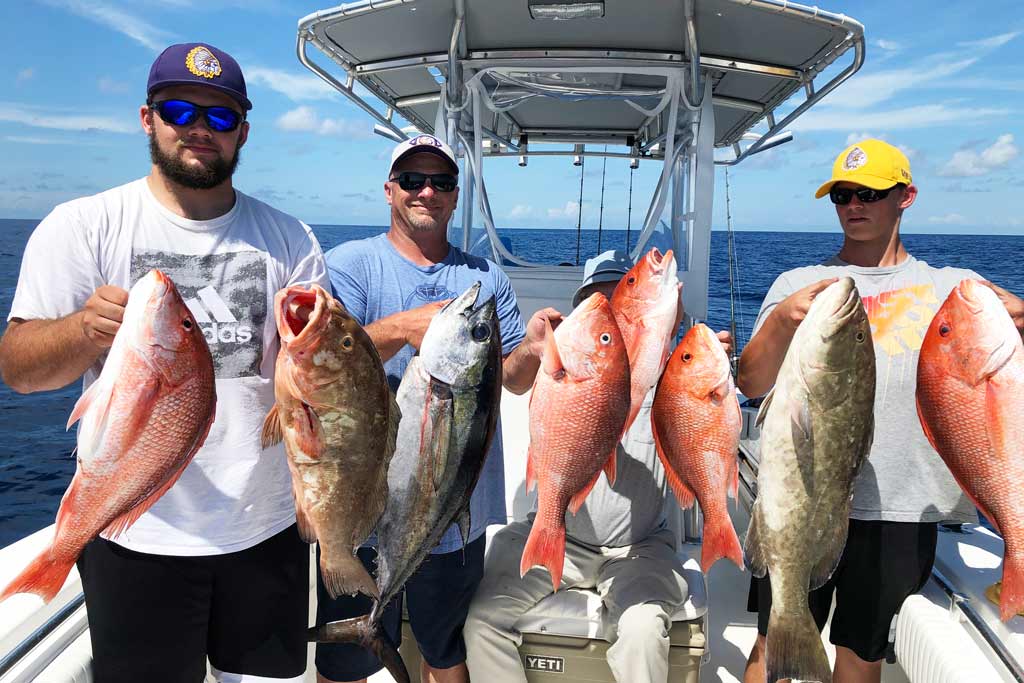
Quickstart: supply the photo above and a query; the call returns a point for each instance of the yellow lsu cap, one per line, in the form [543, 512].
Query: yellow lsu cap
[871, 163]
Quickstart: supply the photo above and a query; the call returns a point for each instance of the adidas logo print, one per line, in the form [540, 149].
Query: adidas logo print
[223, 327]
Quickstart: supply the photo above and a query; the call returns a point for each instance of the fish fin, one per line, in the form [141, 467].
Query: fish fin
[831, 548]
[924, 426]
[531, 473]
[309, 433]
[720, 540]
[609, 466]
[753, 549]
[306, 531]
[802, 433]
[1003, 430]
[684, 496]
[634, 410]
[762, 412]
[721, 391]
[44, 576]
[436, 429]
[576, 502]
[364, 631]
[347, 576]
[794, 648]
[121, 524]
[463, 520]
[551, 361]
[734, 486]
[86, 399]
[545, 547]
[271, 434]
[394, 419]
[1011, 597]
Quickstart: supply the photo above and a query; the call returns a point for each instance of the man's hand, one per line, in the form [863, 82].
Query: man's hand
[102, 315]
[536, 329]
[793, 309]
[1014, 304]
[416, 320]
[725, 337]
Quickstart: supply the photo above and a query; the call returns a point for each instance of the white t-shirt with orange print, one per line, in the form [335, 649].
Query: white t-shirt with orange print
[903, 479]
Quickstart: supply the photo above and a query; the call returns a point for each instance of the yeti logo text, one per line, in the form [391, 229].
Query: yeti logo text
[541, 663]
[224, 327]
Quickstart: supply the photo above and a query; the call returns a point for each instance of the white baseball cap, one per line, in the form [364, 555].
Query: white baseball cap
[608, 266]
[423, 143]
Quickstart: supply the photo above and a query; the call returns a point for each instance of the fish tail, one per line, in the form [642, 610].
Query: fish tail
[1011, 599]
[545, 547]
[720, 540]
[366, 633]
[44, 576]
[344, 574]
[794, 648]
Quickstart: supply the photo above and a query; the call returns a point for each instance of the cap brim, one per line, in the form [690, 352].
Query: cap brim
[244, 101]
[429, 149]
[872, 181]
[597, 278]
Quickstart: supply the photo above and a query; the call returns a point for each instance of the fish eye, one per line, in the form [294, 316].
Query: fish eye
[944, 330]
[631, 280]
[687, 357]
[480, 332]
[347, 342]
[606, 338]
[859, 336]
[186, 323]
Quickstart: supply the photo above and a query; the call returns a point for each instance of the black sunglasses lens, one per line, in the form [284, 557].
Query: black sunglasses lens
[444, 182]
[410, 180]
[177, 112]
[222, 119]
[840, 195]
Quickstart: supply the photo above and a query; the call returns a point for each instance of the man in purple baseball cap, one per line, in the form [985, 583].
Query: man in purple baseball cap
[215, 570]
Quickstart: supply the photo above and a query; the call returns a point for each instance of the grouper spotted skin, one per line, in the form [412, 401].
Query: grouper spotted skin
[449, 398]
[817, 425]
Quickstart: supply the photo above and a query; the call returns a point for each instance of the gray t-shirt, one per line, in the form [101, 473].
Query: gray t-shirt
[904, 479]
[634, 508]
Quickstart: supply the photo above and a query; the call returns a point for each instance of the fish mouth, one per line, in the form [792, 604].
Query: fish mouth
[848, 308]
[300, 313]
[663, 266]
[463, 305]
[968, 293]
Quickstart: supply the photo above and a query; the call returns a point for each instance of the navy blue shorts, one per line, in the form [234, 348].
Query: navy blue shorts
[882, 563]
[158, 617]
[437, 597]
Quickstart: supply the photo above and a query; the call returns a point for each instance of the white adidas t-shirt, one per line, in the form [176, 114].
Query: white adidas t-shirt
[234, 494]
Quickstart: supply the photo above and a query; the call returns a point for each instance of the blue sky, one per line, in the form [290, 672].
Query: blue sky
[942, 80]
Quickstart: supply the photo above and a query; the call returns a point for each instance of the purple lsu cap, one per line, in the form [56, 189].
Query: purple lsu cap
[198, 64]
[423, 143]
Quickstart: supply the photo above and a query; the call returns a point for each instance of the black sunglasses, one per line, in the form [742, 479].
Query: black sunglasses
[185, 113]
[844, 195]
[414, 180]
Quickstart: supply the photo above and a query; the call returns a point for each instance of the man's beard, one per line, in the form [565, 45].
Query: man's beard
[193, 177]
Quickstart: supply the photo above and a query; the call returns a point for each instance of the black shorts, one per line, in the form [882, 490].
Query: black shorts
[158, 617]
[437, 596]
[882, 564]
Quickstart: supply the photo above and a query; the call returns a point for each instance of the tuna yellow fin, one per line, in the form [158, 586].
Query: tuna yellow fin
[551, 361]
[436, 429]
[272, 433]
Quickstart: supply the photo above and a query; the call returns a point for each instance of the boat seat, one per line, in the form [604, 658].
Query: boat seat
[579, 612]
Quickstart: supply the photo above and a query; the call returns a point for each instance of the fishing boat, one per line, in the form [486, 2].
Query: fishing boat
[685, 86]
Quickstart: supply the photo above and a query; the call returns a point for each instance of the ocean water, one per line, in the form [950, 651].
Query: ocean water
[36, 462]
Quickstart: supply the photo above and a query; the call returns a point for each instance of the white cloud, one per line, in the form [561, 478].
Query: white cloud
[970, 163]
[948, 219]
[35, 140]
[29, 116]
[991, 43]
[111, 86]
[119, 20]
[570, 210]
[520, 211]
[306, 120]
[857, 137]
[868, 89]
[25, 75]
[297, 87]
[887, 45]
[921, 116]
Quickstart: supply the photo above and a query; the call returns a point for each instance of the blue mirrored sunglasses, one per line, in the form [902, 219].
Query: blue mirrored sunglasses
[185, 113]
